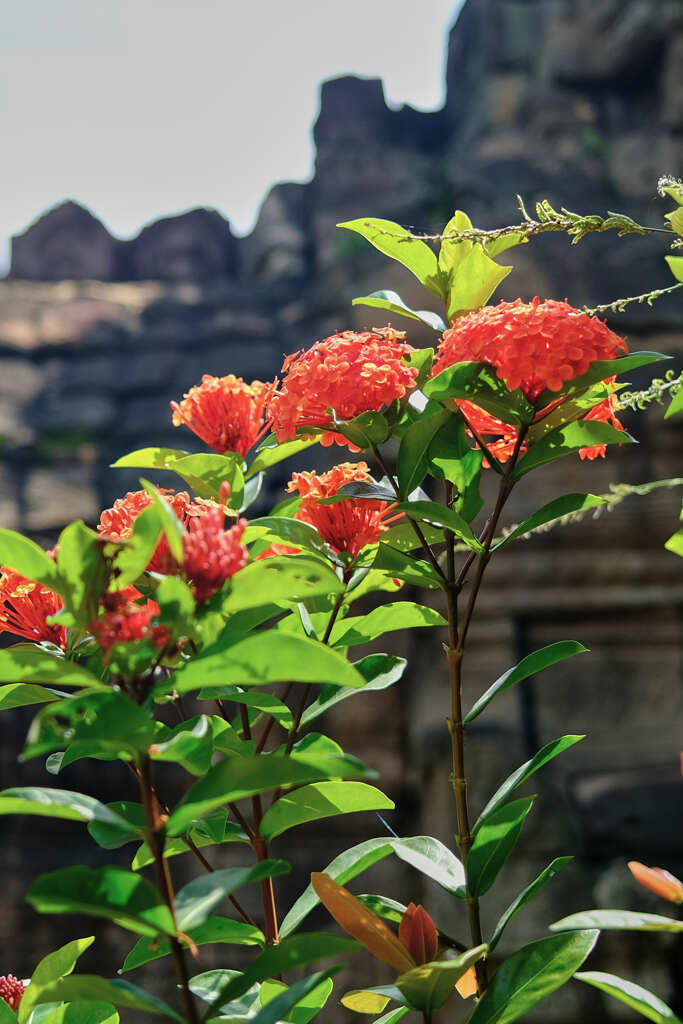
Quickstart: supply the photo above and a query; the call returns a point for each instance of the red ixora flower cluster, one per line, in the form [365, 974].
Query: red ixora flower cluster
[125, 621]
[26, 605]
[535, 346]
[347, 525]
[348, 372]
[225, 412]
[11, 990]
[116, 523]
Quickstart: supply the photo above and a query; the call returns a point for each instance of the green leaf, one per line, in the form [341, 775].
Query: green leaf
[111, 892]
[132, 557]
[675, 543]
[453, 251]
[320, 800]
[390, 910]
[281, 529]
[238, 777]
[264, 702]
[149, 458]
[299, 1002]
[407, 568]
[451, 458]
[432, 859]
[82, 570]
[214, 929]
[270, 452]
[253, 662]
[675, 266]
[493, 844]
[190, 744]
[27, 664]
[473, 282]
[555, 509]
[58, 803]
[7, 1014]
[170, 524]
[478, 383]
[21, 695]
[393, 302]
[51, 968]
[639, 999]
[617, 920]
[200, 897]
[412, 464]
[373, 1000]
[109, 719]
[565, 440]
[365, 431]
[367, 490]
[525, 771]
[112, 836]
[439, 515]
[283, 577]
[360, 629]
[429, 986]
[600, 370]
[28, 559]
[676, 403]
[498, 245]
[91, 988]
[379, 671]
[292, 952]
[82, 1013]
[529, 666]
[394, 241]
[521, 901]
[531, 974]
[205, 473]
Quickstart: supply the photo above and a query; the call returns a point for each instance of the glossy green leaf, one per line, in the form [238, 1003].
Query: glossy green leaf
[283, 577]
[7, 1014]
[379, 671]
[238, 777]
[27, 558]
[149, 458]
[555, 509]
[439, 515]
[21, 695]
[617, 920]
[51, 968]
[531, 974]
[431, 858]
[201, 833]
[172, 527]
[295, 951]
[82, 571]
[281, 530]
[600, 370]
[269, 452]
[451, 458]
[403, 538]
[109, 719]
[92, 988]
[320, 800]
[205, 473]
[360, 629]
[81, 1013]
[391, 301]
[390, 910]
[122, 896]
[367, 490]
[366, 431]
[576, 407]
[454, 250]
[58, 803]
[566, 440]
[111, 836]
[27, 664]
[429, 986]
[477, 382]
[251, 662]
[200, 897]
[529, 666]
[222, 930]
[638, 998]
[189, 744]
[473, 282]
[299, 1002]
[132, 557]
[264, 702]
[493, 844]
[521, 901]
[525, 771]
[412, 464]
[394, 241]
[407, 568]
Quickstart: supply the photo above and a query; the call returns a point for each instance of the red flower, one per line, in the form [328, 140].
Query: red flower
[658, 880]
[418, 934]
[212, 553]
[116, 523]
[533, 345]
[225, 413]
[347, 525]
[11, 990]
[25, 605]
[348, 372]
[124, 621]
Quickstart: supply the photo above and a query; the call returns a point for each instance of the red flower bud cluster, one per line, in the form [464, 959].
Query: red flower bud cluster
[125, 621]
[225, 412]
[212, 553]
[11, 990]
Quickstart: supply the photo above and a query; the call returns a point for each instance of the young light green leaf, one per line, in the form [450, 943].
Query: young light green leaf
[92, 988]
[28, 664]
[439, 515]
[473, 282]
[299, 1003]
[617, 920]
[80, 1013]
[394, 241]
[269, 453]
[493, 844]
[205, 473]
[215, 929]
[259, 701]
[453, 250]
[567, 439]
[320, 800]
[27, 558]
[111, 892]
[379, 671]
[675, 266]
[51, 968]
[555, 509]
[374, 1000]
[638, 998]
[170, 524]
[132, 557]
[429, 986]
[525, 771]
[82, 571]
[360, 629]
[529, 666]
[676, 404]
[393, 302]
[149, 458]
[521, 901]
[412, 464]
[531, 974]
[21, 695]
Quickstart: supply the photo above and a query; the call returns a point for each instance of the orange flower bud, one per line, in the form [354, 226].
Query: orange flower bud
[658, 880]
[418, 934]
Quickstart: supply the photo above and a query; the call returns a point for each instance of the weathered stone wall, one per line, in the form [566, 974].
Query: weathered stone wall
[577, 101]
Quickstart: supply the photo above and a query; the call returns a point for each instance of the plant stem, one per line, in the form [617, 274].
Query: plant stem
[244, 914]
[155, 827]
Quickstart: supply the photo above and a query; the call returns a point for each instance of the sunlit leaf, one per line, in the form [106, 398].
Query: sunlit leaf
[639, 999]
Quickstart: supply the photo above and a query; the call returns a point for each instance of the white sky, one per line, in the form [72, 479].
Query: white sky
[141, 108]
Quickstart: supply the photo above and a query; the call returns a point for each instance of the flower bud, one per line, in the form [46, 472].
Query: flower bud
[418, 934]
[658, 880]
